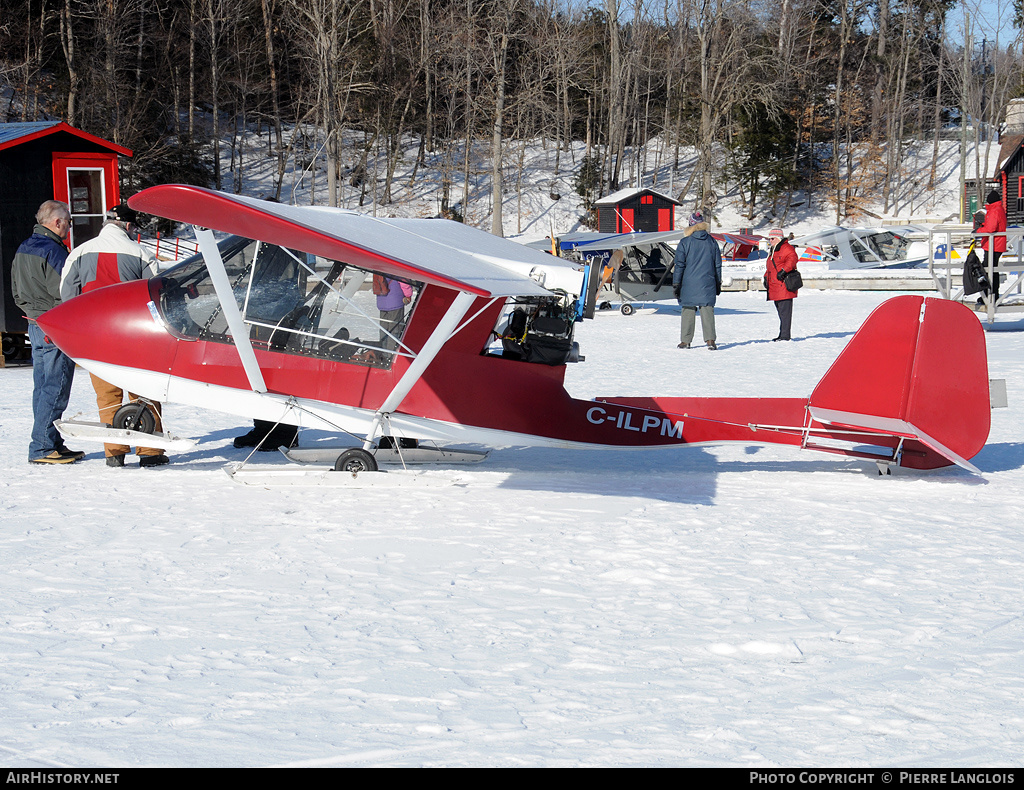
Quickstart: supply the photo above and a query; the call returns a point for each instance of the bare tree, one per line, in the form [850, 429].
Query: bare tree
[734, 71]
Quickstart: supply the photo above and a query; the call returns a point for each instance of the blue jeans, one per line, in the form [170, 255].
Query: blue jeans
[52, 371]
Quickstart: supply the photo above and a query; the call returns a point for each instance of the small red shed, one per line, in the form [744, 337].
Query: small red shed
[634, 210]
[50, 160]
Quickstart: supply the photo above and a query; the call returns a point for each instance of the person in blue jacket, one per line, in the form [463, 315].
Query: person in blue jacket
[697, 281]
[35, 285]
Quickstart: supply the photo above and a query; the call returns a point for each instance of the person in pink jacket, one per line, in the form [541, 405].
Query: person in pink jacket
[782, 258]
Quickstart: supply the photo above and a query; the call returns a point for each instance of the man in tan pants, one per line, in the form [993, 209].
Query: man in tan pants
[108, 400]
[112, 257]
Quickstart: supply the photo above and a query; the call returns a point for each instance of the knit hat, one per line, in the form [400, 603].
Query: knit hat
[122, 213]
[696, 218]
[775, 233]
[994, 197]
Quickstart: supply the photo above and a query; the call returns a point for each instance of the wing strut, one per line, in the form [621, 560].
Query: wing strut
[442, 332]
[219, 276]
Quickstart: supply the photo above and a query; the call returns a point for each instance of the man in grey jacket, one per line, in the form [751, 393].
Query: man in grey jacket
[697, 280]
[35, 285]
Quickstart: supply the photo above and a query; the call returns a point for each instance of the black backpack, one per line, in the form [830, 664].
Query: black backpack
[975, 277]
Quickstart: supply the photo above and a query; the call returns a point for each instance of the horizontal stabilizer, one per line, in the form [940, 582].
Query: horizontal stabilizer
[916, 369]
[892, 427]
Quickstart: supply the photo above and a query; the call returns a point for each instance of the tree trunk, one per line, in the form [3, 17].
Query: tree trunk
[501, 59]
[214, 91]
[267, 7]
[67, 40]
[937, 114]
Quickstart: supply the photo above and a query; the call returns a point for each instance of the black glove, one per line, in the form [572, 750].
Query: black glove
[676, 291]
[718, 288]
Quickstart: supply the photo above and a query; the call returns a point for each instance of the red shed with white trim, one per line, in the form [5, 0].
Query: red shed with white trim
[50, 160]
[634, 210]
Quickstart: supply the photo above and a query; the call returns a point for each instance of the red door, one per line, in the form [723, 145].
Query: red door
[626, 226]
[88, 184]
[665, 219]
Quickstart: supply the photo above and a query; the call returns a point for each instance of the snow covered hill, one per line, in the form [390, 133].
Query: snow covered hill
[530, 211]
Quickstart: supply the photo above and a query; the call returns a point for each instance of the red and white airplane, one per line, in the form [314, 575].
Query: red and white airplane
[279, 322]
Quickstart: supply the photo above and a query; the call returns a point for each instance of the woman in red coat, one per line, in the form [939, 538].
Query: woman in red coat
[782, 258]
[995, 222]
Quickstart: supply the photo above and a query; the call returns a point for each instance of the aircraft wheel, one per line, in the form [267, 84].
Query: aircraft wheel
[16, 346]
[605, 306]
[10, 347]
[135, 417]
[355, 461]
[627, 309]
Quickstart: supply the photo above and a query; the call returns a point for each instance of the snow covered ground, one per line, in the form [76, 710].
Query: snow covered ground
[734, 606]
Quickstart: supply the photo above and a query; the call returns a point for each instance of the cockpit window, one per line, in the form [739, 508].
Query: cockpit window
[884, 247]
[293, 302]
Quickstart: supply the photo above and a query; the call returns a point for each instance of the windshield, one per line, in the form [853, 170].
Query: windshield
[293, 302]
[884, 246]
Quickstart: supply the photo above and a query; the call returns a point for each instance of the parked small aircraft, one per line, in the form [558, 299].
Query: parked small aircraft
[637, 267]
[862, 248]
[278, 322]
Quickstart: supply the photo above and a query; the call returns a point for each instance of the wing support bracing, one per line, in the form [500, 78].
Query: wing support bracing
[444, 330]
[239, 331]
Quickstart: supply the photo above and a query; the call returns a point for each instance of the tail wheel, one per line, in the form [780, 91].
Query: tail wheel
[355, 461]
[135, 417]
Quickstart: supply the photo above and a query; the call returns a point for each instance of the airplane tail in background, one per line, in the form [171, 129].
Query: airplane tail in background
[917, 369]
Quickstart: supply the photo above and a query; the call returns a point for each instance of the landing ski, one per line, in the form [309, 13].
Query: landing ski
[385, 455]
[274, 476]
[98, 432]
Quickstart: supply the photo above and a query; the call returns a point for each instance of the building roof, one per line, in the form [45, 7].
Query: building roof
[626, 194]
[14, 134]
[1008, 146]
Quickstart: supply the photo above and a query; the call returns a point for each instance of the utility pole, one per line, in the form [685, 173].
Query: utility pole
[963, 113]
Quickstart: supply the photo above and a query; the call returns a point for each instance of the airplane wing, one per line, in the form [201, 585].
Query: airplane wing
[623, 240]
[650, 238]
[440, 252]
[823, 236]
[738, 238]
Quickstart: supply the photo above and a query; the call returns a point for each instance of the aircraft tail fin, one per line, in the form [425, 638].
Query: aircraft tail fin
[916, 369]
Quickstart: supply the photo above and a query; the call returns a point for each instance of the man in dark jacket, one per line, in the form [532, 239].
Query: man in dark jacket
[697, 280]
[35, 284]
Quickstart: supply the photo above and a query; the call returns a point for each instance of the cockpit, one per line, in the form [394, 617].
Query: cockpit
[885, 247]
[293, 302]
